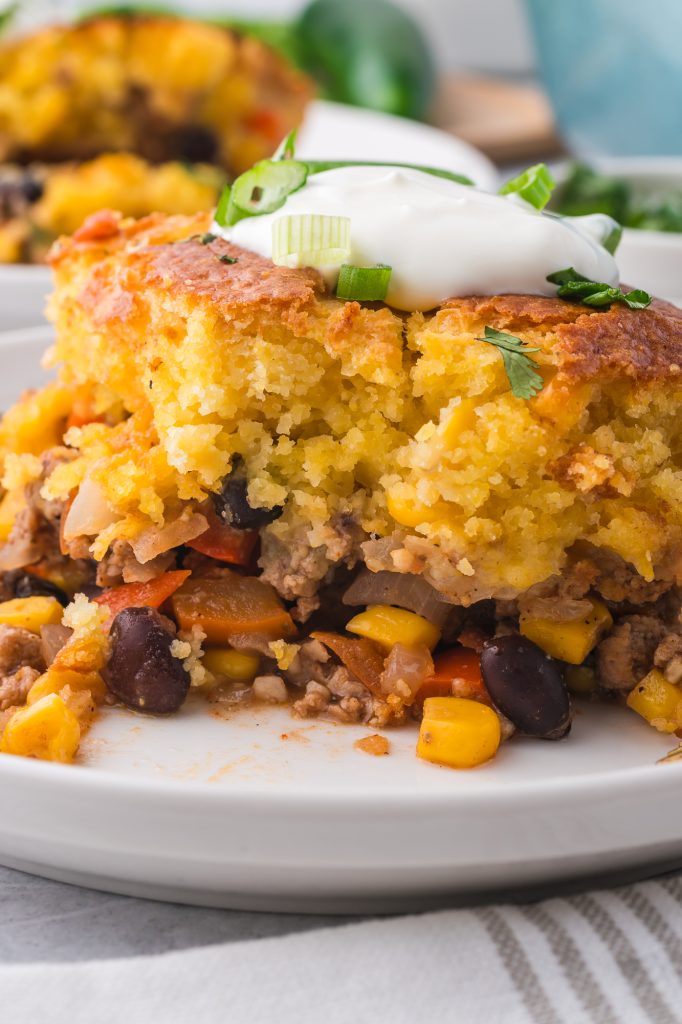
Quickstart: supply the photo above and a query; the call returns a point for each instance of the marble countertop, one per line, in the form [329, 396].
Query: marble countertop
[42, 920]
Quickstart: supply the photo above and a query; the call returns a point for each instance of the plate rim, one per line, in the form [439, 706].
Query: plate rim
[597, 785]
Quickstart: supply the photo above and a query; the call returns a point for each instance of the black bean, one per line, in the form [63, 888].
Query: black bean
[527, 686]
[141, 671]
[232, 504]
[27, 585]
[32, 188]
[195, 143]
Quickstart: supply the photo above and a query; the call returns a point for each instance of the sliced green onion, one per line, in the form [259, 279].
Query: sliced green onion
[220, 215]
[317, 166]
[264, 188]
[612, 240]
[535, 186]
[364, 284]
[310, 240]
[287, 147]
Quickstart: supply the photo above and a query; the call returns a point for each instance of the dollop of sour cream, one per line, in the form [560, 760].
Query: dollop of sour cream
[442, 239]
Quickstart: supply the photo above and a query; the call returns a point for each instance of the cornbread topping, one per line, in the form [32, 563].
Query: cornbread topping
[441, 238]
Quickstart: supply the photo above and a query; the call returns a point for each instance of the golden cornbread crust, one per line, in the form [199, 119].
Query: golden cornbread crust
[389, 439]
[191, 267]
[591, 344]
[588, 344]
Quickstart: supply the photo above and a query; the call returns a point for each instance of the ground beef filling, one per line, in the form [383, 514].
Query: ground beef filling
[21, 662]
[313, 583]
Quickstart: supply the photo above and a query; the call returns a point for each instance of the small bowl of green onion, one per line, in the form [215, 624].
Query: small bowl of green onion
[644, 194]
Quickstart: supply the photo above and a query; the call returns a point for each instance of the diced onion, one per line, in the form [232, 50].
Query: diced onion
[364, 284]
[89, 514]
[155, 540]
[405, 670]
[405, 590]
[310, 239]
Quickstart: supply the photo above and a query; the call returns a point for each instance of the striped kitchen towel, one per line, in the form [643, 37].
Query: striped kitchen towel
[604, 958]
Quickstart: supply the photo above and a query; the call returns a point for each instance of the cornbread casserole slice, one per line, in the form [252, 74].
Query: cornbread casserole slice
[141, 99]
[383, 457]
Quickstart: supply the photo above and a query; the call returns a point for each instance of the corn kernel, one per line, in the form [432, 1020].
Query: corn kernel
[10, 506]
[31, 612]
[657, 701]
[388, 626]
[569, 641]
[37, 421]
[410, 512]
[223, 661]
[580, 679]
[462, 417]
[457, 732]
[47, 730]
[54, 681]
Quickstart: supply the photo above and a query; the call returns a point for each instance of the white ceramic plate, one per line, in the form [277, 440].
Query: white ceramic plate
[261, 811]
[330, 131]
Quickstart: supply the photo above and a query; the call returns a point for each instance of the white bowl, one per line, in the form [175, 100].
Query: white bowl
[331, 131]
[647, 259]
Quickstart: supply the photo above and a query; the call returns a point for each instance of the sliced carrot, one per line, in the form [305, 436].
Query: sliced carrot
[360, 656]
[151, 594]
[225, 543]
[460, 666]
[228, 604]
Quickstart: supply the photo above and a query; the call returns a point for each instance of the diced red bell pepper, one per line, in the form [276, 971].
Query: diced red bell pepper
[225, 543]
[461, 664]
[151, 594]
[267, 123]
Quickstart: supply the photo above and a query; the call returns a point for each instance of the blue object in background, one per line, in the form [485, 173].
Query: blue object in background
[613, 70]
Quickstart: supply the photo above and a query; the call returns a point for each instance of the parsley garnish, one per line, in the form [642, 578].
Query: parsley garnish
[525, 382]
[207, 238]
[576, 288]
[228, 259]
